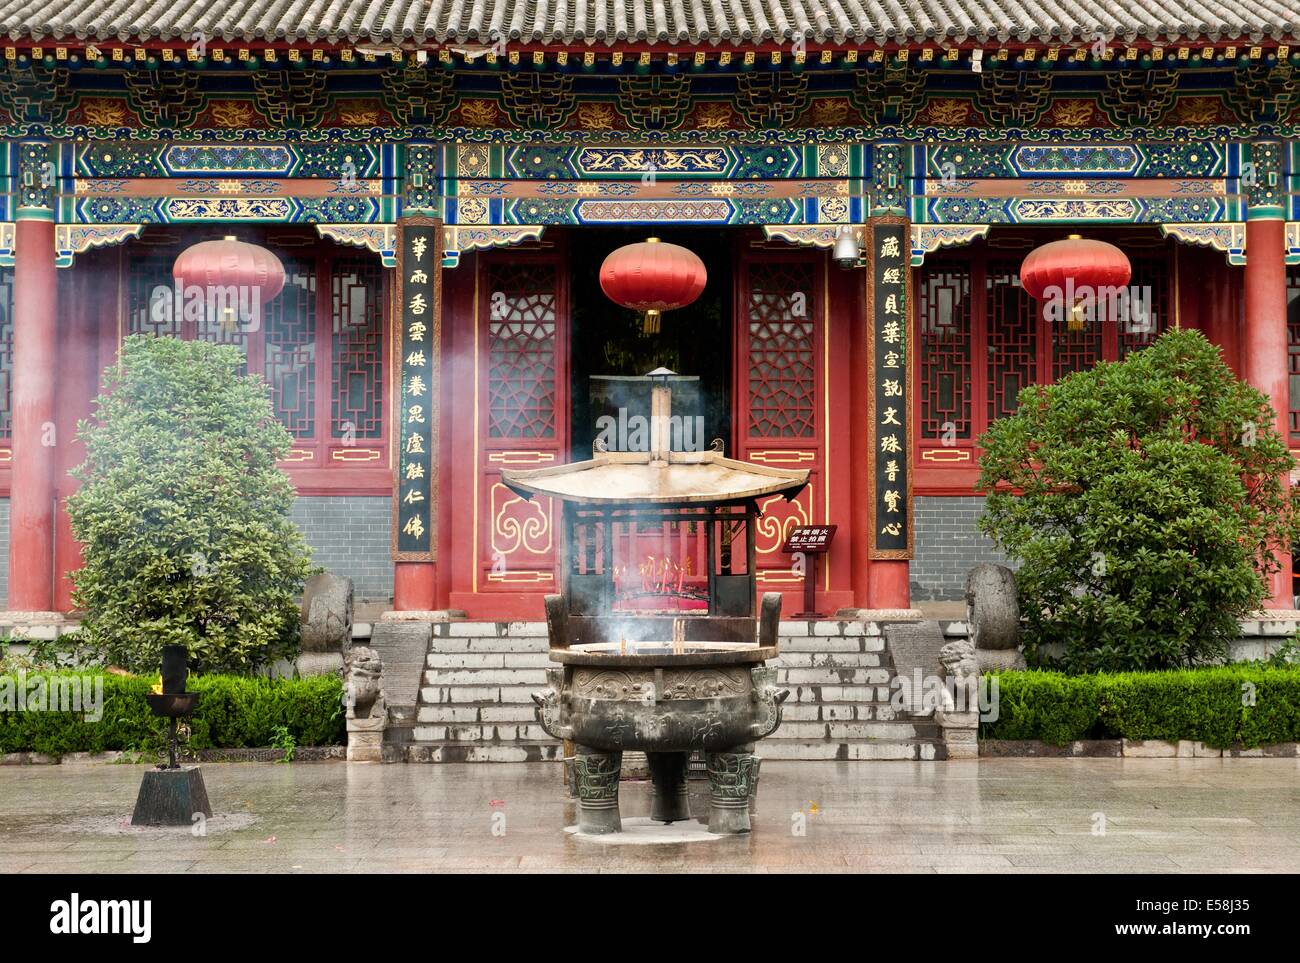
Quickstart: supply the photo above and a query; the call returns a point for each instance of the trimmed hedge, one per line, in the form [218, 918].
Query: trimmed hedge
[234, 712]
[1202, 705]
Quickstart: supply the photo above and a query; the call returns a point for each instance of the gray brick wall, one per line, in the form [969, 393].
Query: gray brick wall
[947, 545]
[349, 535]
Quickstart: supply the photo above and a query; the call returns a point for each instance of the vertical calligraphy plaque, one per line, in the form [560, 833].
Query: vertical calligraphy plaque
[889, 363]
[417, 338]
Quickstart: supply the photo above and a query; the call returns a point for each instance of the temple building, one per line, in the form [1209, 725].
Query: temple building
[443, 181]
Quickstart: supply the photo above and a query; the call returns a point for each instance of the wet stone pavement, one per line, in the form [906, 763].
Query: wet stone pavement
[996, 815]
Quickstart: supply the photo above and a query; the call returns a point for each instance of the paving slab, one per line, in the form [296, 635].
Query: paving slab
[998, 815]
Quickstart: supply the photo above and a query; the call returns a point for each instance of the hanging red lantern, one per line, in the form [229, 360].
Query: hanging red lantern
[1075, 269]
[653, 277]
[230, 266]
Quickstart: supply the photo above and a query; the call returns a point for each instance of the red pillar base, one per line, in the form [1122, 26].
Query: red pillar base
[415, 586]
[890, 586]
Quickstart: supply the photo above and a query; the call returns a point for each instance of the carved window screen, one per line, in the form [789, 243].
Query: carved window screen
[521, 348]
[944, 352]
[357, 325]
[1011, 320]
[319, 343]
[782, 351]
[289, 360]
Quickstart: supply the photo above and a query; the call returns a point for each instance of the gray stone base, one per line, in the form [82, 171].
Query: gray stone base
[171, 797]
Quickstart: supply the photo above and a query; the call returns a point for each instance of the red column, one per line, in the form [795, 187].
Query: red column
[890, 584]
[414, 586]
[31, 500]
[1265, 350]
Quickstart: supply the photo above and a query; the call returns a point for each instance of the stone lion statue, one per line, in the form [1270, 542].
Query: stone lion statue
[363, 673]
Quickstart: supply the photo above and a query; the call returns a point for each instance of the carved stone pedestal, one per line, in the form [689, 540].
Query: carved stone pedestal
[597, 774]
[671, 803]
[366, 738]
[733, 776]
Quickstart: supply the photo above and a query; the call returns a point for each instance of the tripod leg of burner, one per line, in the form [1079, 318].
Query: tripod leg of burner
[671, 802]
[597, 773]
[731, 777]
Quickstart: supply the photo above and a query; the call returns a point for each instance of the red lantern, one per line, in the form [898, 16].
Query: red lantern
[1075, 268]
[229, 266]
[653, 277]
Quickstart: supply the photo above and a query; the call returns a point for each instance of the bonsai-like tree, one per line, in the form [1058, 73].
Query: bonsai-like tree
[1142, 499]
[183, 515]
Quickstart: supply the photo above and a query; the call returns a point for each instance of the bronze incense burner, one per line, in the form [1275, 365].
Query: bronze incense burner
[656, 634]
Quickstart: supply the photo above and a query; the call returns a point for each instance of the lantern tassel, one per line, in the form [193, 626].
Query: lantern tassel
[651, 323]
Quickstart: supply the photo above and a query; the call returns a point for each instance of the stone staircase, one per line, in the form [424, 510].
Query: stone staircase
[474, 699]
[838, 674]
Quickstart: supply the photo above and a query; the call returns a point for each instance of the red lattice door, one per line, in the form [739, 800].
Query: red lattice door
[521, 415]
[778, 413]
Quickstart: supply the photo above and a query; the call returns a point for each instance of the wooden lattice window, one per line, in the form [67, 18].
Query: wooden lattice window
[991, 345]
[1012, 322]
[357, 394]
[149, 293]
[944, 352]
[521, 349]
[1151, 276]
[782, 355]
[289, 357]
[319, 344]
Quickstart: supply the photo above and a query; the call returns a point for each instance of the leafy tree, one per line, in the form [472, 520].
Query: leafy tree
[183, 515]
[1142, 499]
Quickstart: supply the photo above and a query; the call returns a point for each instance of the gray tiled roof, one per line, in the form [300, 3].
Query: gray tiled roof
[665, 21]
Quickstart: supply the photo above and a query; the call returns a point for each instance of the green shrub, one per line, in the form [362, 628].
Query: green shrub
[1142, 500]
[183, 515]
[233, 712]
[1210, 705]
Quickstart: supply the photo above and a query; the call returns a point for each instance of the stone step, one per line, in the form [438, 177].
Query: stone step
[513, 630]
[841, 731]
[481, 752]
[847, 676]
[827, 660]
[487, 644]
[446, 677]
[851, 750]
[839, 693]
[473, 733]
[488, 660]
[837, 711]
[477, 694]
[449, 714]
[827, 628]
[820, 643]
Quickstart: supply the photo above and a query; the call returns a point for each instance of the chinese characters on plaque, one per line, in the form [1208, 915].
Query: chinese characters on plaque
[419, 314]
[889, 264]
